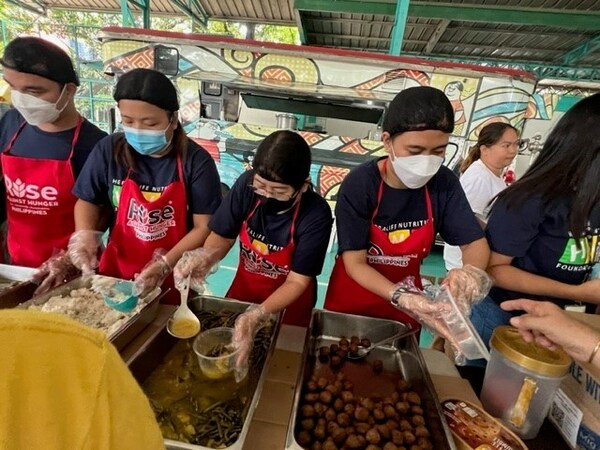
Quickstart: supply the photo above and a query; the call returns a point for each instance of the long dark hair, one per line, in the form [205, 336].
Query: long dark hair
[155, 88]
[488, 136]
[283, 157]
[568, 166]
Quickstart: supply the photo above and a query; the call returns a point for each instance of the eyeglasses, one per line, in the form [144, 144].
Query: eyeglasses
[283, 197]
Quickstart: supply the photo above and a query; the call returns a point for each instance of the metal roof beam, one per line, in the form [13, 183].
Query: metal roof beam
[499, 48]
[563, 18]
[361, 21]
[540, 70]
[436, 36]
[582, 50]
[474, 29]
[193, 9]
[40, 9]
[127, 16]
[400, 18]
[127, 19]
[366, 38]
[300, 26]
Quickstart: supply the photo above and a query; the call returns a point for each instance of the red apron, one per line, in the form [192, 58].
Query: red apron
[395, 261]
[143, 226]
[40, 205]
[258, 275]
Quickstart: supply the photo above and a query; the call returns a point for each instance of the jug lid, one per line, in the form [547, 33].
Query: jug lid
[510, 344]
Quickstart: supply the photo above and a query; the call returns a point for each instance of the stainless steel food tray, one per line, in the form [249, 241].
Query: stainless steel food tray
[403, 356]
[130, 329]
[145, 359]
[22, 291]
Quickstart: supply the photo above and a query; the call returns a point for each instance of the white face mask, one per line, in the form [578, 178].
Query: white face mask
[35, 110]
[415, 171]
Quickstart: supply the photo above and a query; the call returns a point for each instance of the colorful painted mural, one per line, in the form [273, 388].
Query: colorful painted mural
[478, 96]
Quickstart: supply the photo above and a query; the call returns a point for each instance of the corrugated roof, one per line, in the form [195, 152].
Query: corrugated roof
[273, 11]
[459, 33]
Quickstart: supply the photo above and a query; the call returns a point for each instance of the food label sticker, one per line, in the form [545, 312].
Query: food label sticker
[566, 416]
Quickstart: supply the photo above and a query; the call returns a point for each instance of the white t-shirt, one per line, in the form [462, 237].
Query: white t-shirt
[480, 185]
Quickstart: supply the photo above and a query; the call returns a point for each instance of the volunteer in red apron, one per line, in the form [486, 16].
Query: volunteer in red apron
[389, 210]
[45, 143]
[160, 188]
[283, 227]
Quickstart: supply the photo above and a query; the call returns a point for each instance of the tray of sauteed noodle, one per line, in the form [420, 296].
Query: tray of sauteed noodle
[15, 285]
[195, 411]
[77, 300]
[385, 401]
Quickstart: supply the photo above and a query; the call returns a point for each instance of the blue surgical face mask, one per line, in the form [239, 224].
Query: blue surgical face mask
[146, 142]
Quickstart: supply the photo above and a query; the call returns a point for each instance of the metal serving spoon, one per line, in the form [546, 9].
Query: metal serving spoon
[184, 324]
[364, 351]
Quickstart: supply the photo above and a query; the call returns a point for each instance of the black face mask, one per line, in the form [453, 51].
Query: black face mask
[272, 206]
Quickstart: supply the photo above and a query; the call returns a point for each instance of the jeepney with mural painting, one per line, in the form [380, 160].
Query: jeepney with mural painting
[235, 92]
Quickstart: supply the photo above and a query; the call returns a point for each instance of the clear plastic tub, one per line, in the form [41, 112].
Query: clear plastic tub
[468, 340]
[216, 355]
[520, 381]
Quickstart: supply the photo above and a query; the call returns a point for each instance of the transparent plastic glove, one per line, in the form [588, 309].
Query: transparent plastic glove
[411, 300]
[246, 326]
[468, 286]
[54, 272]
[83, 250]
[199, 263]
[152, 275]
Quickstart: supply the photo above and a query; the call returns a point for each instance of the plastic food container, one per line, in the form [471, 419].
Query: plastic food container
[469, 342]
[520, 381]
[216, 355]
[474, 429]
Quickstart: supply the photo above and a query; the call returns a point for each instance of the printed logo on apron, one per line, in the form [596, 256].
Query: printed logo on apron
[254, 264]
[30, 198]
[150, 224]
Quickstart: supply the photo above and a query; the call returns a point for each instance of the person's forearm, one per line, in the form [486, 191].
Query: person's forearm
[218, 245]
[285, 294]
[368, 278]
[476, 253]
[194, 239]
[89, 216]
[509, 277]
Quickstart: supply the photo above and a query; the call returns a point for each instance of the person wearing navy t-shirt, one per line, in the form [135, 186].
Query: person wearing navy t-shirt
[544, 229]
[389, 210]
[154, 187]
[45, 142]
[283, 228]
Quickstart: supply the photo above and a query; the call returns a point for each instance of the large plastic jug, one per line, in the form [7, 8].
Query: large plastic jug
[520, 381]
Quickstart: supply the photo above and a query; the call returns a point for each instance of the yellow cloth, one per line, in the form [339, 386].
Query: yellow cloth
[63, 386]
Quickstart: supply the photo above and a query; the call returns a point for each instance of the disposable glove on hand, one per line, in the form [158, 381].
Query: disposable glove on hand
[423, 309]
[246, 326]
[54, 272]
[83, 250]
[198, 263]
[152, 275]
[468, 286]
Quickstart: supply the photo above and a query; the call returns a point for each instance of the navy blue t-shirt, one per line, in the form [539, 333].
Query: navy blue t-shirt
[102, 178]
[538, 239]
[311, 234]
[402, 210]
[38, 144]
